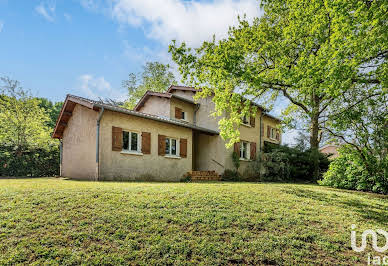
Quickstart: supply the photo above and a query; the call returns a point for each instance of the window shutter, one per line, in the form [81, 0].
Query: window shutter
[237, 148]
[161, 145]
[178, 113]
[278, 135]
[253, 150]
[117, 139]
[146, 142]
[268, 131]
[252, 122]
[183, 148]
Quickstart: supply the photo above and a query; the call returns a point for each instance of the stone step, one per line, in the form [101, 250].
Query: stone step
[204, 175]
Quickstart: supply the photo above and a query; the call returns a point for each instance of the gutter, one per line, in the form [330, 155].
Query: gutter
[98, 142]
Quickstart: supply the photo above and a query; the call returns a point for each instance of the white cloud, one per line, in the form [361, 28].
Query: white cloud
[1, 26]
[97, 87]
[189, 21]
[46, 10]
[67, 17]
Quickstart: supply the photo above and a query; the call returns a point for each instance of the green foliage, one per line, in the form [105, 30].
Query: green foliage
[52, 109]
[231, 175]
[348, 171]
[283, 163]
[50, 221]
[33, 161]
[27, 148]
[236, 160]
[155, 77]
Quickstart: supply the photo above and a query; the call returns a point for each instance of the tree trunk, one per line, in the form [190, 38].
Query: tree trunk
[314, 138]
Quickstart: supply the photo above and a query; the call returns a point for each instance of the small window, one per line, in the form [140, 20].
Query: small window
[131, 141]
[273, 133]
[172, 147]
[244, 150]
[246, 120]
[183, 115]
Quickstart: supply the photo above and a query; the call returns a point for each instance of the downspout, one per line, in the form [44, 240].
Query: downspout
[98, 142]
[261, 130]
[60, 156]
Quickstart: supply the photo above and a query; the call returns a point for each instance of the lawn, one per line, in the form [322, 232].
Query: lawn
[59, 221]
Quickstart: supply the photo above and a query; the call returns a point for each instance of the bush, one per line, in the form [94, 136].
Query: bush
[230, 175]
[186, 178]
[34, 162]
[349, 171]
[282, 163]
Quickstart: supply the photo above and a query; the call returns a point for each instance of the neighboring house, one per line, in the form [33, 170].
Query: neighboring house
[163, 138]
[330, 149]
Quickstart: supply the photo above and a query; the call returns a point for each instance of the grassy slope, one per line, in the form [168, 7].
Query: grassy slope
[61, 221]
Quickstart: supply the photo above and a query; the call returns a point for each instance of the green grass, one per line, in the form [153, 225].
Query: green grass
[59, 221]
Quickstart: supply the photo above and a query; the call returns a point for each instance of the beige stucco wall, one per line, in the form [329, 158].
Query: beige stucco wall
[185, 94]
[115, 165]
[186, 107]
[212, 148]
[157, 106]
[79, 145]
[273, 123]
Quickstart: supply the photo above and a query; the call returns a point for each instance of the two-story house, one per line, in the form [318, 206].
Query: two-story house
[163, 138]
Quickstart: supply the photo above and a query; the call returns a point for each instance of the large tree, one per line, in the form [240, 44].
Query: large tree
[23, 123]
[155, 76]
[312, 52]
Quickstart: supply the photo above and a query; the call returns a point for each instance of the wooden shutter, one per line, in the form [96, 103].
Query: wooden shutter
[178, 113]
[161, 145]
[268, 131]
[252, 122]
[277, 135]
[183, 148]
[146, 142]
[117, 139]
[253, 150]
[237, 148]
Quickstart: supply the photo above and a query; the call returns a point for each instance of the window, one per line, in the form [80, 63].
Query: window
[244, 150]
[172, 147]
[273, 133]
[183, 115]
[131, 141]
[246, 120]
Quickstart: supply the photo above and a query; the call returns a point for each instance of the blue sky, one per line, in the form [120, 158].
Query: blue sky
[87, 47]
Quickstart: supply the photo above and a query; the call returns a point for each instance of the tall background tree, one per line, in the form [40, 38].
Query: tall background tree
[311, 52]
[155, 76]
[26, 146]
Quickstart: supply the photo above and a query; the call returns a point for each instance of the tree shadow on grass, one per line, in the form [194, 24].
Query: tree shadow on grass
[373, 211]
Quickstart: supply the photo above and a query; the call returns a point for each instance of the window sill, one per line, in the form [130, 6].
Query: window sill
[246, 125]
[172, 157]
[132, 153]
[245, 160]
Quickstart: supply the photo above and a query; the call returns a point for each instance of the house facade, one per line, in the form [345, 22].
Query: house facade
[163, 138]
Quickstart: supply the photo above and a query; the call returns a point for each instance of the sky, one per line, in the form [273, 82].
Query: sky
[88, 47]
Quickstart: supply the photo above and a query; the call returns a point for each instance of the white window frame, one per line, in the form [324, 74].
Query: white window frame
[248, 151]
[169, 154]
[139, 140]
[184, 115]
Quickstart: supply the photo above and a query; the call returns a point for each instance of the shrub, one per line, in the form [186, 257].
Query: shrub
[230, 175]
[33, 162]
[186, 178]
[349, 171]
